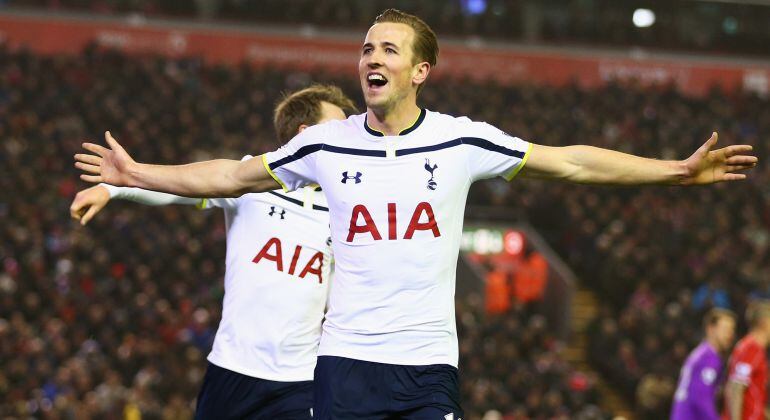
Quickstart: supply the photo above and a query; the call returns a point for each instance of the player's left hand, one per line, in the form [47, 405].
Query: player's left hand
[707, 166]
[89, 202]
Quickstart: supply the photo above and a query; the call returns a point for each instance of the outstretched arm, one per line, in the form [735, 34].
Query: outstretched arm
[89, 202]
[593, 165]
[214, 178]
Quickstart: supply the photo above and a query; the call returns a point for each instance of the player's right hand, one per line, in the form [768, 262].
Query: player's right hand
[111, 166]
[89, 202]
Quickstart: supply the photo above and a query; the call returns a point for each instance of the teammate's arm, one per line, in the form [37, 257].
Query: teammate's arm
[593, 165]
[734, 393]
[89, 202]
[214, 178]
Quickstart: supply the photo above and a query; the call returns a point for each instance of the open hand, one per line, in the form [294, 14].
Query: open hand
[707, 166]
[112, 166]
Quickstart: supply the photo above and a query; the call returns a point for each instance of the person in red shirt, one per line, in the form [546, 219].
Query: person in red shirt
[745, 394]
[530, 279]
[497, 291]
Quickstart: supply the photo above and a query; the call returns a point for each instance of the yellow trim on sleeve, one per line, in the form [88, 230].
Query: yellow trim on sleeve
[267, 167]
[202, 204]
[518, 167]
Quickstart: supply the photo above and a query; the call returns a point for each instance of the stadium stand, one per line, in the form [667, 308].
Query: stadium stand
[729, 27]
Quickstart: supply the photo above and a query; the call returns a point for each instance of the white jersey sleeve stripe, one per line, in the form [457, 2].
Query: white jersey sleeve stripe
[272, 174]
[517, 169]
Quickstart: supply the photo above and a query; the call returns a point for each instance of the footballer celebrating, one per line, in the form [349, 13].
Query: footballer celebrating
[396, 180]
[276, 280]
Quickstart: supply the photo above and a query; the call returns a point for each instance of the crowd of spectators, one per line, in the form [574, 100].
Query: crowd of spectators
[512, 367]
[115, 319]
[723, 27]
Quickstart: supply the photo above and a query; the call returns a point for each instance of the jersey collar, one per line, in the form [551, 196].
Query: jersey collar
[403, 132]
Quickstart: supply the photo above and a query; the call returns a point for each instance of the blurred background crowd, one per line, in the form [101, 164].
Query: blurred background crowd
[726, 27]
[115, 319]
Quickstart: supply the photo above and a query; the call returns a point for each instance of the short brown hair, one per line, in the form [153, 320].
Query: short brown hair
[713, 316]
[757, 310]
[304, 108]
[425, 45]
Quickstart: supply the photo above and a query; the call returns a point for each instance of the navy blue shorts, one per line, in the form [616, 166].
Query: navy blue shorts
[356, 389]
[230, 395]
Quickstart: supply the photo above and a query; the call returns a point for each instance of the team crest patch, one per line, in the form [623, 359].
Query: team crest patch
[432, 185]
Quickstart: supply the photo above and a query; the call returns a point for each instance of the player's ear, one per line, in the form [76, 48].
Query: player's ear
[302, 127]
[420, 72]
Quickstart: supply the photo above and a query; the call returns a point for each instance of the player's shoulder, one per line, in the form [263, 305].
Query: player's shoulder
[311, 135]
[351, 124]
[439, 118]
[332, 132]
[461, 125]
[746, 347]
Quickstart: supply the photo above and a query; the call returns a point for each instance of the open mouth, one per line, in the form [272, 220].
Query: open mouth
[376, 80]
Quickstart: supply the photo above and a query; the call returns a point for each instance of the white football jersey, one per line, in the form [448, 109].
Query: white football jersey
[396, 206]
[276, 284]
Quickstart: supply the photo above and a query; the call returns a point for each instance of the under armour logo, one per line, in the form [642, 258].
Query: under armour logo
[431, 183]
[346, 177]
[273, 212]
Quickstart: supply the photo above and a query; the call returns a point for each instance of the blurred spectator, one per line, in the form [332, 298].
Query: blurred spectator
[498, 295]
[653, 395]
[746, 388]
[711, 295]
[643, 299]
[701, 375]
[530, 277]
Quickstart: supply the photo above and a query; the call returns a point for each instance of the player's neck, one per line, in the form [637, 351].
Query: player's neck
[713, 344]
[394, 120]
[760, 337]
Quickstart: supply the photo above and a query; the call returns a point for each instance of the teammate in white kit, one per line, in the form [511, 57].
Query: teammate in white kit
[276, 280]
[396, 179]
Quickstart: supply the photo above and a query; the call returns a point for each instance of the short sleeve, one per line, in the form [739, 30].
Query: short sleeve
[743, 366]
[222, 203]
[493, 152]
[741, 373]
[293, 165]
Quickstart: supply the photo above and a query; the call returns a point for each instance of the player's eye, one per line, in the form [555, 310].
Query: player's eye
[366, 50]
[390, 50]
